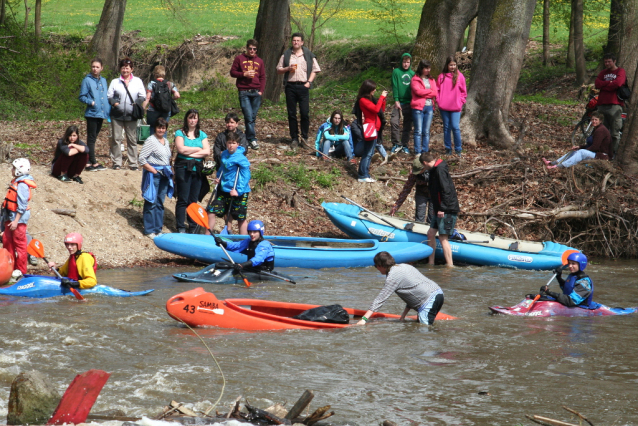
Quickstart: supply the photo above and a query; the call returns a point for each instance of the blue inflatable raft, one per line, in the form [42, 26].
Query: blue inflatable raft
[41, 286]
[298, 252]
[482, 249]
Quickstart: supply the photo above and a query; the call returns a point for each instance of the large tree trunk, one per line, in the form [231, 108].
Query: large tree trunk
[37, 16]
[3, 11]
[579, 43]
[569, 61]
[501, 37]
[272, 31]
[627, 52]
[615, 22]
[471, 36]
[628, 150]
[546, 56]
[106, 40]
[442, 25]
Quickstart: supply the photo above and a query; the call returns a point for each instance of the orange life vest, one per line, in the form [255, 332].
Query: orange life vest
[11, 199]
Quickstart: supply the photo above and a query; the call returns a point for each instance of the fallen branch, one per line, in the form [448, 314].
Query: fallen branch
[548, 422]
[481, 169]
[578, 414]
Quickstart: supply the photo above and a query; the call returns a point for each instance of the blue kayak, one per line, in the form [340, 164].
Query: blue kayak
[297, 252]
[479, 249]
[41, 286]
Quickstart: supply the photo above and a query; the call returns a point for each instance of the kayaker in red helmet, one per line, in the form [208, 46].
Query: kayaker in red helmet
[80, 267]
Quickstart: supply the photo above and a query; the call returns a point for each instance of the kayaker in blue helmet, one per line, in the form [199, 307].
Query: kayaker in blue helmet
[261, 255]
[578, 288]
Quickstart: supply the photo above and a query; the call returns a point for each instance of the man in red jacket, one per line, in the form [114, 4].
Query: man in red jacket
[248, 69]
[608, 82]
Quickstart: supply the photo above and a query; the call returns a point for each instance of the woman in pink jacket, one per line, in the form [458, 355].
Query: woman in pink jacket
[424, 91]
[451, 98]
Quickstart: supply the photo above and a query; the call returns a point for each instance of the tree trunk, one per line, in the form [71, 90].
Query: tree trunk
[628, 150]
[38, 22]
[501, 37]
[3, 11]
[471, 36]
[627, 52]
[442, 24]
[272, 31]
[27, 9]
[579, 43]
[615, 23]
[546, 55]
[106, 40]
[569, 61]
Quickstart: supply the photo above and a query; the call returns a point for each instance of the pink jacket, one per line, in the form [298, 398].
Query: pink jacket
[451, 98]
[420, 93]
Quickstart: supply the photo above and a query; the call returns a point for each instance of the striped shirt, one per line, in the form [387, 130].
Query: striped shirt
[154, 152]
[409, 284]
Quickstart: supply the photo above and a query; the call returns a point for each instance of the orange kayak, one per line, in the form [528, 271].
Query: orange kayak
[199, 308]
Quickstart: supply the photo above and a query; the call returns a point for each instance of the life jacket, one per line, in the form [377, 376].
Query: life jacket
[11, 199]
[267, 265]
[584, 280]
[73, 266]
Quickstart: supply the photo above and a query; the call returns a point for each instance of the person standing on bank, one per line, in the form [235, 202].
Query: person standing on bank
[248, 69]
[451, 98]
[371, 125]
[299, 66]
[445, 203]
[609, 80]
[93, 93]
[219, 146]
[123, 92]
[417, 291]
[424, 92]
[401, 78]
[159, 94]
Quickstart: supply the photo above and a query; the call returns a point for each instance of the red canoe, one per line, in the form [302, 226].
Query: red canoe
[199, 308]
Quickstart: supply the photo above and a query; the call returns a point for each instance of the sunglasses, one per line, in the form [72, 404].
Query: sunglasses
[252, 48]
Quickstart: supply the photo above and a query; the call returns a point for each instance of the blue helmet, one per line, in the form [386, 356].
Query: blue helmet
[258, 225]
[576, 257]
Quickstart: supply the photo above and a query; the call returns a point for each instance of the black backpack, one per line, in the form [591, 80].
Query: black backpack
[161, 97]
[334, 314]
[623, 93]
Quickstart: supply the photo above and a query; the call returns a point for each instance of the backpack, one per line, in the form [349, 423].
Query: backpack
[161, 97]
[623, 93]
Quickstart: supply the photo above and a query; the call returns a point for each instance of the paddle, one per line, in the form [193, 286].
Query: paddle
[230, 205]
[368, 211]
[36, 249]
[564, 257]
[199, 216]
[210, 201]
[276, 276]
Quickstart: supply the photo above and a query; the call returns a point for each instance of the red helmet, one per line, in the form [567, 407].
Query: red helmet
[74, 238]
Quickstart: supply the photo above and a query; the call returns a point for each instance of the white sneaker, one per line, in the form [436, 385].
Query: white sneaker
[254, 145]
[370, 180]
[364, 180]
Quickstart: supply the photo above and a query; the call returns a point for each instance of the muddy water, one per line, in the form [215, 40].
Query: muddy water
[398, 371]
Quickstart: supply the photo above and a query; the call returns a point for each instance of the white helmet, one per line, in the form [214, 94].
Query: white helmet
[22, 166]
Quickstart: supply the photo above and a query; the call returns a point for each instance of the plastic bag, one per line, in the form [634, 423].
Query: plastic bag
[334, 314]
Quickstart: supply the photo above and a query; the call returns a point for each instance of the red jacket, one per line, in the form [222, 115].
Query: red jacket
[371, 112]
[608, 82]
[243, 63]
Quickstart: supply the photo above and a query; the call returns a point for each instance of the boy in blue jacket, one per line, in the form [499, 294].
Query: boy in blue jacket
[233, 186]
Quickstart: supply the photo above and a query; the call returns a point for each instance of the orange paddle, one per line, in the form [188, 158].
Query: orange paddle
[36, 249]
[199, 216]
[563, 258]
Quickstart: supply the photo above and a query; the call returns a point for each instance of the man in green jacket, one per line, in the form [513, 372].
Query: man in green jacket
[401, 78]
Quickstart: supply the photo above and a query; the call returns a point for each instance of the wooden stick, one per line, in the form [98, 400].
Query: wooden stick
[553, 422]
[578, 414]
[300, 405]
[67, 212]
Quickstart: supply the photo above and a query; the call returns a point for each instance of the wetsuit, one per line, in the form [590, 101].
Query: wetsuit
[261, 255]
[578, 291]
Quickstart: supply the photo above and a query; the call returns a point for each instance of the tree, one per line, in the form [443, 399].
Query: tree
[27, 9]
[622, 39]
[579, 43]
[3, 11]
[37, 19]
[106, 40]
[501, 37]
[569, 61]
[320, 11]
[272, 31]
[628, 150]
[442, 25]
[471, 36]
[546, 14]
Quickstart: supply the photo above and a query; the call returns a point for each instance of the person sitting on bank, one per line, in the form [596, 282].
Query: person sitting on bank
[71, 156]
[598, 146]
[79, 269]
[419, 179]
[333, 137]
[261, 256]
[417, 291]
[578, 288]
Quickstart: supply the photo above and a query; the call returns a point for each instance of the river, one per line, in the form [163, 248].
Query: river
[403, 372]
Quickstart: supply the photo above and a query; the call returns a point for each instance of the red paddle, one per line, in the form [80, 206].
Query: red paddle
[564, 257]
[36, 249]
[199, 216]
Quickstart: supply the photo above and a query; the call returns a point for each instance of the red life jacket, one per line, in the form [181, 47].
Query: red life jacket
[73, 273]
[11, 199]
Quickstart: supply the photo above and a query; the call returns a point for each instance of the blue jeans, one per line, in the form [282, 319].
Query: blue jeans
[451, 121]
[379, 147]
[250, 101]
[366, 156]
[343, 149]
[422, 121]
[575, 157]
[153, 213]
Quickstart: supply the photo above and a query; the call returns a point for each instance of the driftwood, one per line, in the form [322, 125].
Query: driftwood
[66, 212]
[318, 415]
[300, 405]
[546, 421]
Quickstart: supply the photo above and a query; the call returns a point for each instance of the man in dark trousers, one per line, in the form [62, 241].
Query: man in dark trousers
[609, 80]
[248, 69]
[299, 66]
[445, 203]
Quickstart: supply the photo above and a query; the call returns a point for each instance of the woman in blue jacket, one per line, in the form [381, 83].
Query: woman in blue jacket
[333, 138]
[93, 94]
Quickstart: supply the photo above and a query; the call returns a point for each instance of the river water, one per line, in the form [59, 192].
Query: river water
[403, 372]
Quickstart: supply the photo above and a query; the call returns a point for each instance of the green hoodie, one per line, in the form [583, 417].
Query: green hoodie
[401, 85]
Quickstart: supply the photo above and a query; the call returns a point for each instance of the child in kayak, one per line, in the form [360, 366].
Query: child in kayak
[417, 291]
[80, 267]
[578, 288]
[261, 256]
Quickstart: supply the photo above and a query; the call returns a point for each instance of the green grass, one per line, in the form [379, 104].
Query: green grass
[295, 174]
